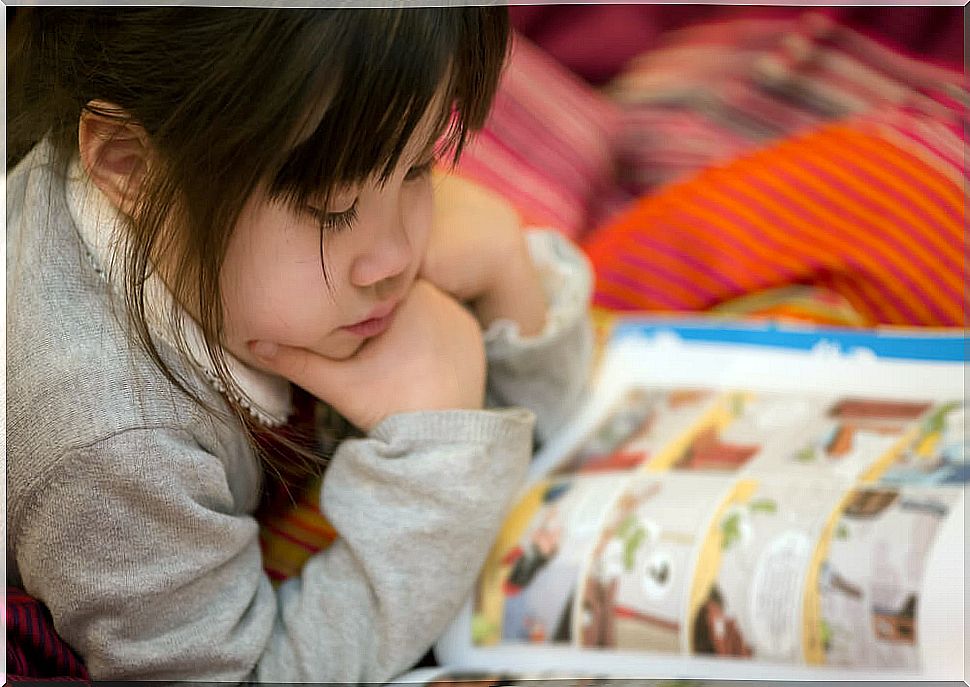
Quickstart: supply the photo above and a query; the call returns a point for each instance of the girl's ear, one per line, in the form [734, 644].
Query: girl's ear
[114, 152]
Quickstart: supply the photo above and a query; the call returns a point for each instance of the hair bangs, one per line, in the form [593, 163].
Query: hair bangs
[389, 81]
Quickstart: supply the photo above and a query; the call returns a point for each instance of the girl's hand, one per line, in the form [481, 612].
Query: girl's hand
[430, 358]
[477, 252]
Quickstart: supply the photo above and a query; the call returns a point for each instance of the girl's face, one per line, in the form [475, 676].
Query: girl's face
[375, 237]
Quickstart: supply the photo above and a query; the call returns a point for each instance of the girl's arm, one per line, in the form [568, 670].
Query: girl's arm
[548, 372]
[417, 505]
[141, 546]
[530, 291]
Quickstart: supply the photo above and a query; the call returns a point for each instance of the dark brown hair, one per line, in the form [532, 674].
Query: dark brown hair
[222, 94]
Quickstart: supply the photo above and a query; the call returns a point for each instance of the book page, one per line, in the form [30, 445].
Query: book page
[786, 527]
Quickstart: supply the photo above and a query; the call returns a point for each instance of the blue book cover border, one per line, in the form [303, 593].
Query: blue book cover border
[938, 345]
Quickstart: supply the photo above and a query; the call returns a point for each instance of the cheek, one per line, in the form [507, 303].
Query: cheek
[272, 282]
[285, 305]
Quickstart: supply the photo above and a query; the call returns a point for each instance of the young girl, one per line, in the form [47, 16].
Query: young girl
[209, 206]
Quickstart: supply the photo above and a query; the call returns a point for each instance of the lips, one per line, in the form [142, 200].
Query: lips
[375, 323]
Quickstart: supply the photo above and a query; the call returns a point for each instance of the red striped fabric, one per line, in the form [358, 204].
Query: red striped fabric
[34, 649]
[548, 142]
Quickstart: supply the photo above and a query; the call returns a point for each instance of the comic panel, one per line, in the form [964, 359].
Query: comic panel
[737, 432]
[864, 592]
[634, 591]
[752, 566]
[937, 453]
[849, 438]
[527, 586]
[638, 425]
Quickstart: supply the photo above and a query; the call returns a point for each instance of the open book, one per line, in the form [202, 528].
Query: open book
[740, 501]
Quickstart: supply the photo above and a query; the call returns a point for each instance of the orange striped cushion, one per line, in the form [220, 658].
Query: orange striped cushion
[288, 536]
[845, 207]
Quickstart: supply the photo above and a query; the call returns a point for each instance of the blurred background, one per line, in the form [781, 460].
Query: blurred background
[791, 162]
[596, 40]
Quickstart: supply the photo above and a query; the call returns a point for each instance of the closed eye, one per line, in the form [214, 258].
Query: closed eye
[335, 221]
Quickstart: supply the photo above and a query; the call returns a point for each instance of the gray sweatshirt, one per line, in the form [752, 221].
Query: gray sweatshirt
[130, 510]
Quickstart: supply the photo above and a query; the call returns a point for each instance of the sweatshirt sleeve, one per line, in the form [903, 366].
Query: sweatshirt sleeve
[548, 373]
[151, 572]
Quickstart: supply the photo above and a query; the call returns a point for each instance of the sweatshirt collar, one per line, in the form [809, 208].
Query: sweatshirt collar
[267, 397]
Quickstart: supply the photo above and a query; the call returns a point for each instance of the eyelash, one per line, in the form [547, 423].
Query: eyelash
[337, 221]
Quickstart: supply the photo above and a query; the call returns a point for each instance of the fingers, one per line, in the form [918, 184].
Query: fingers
[431, 357]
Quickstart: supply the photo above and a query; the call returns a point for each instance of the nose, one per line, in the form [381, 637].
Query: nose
[387, 252]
